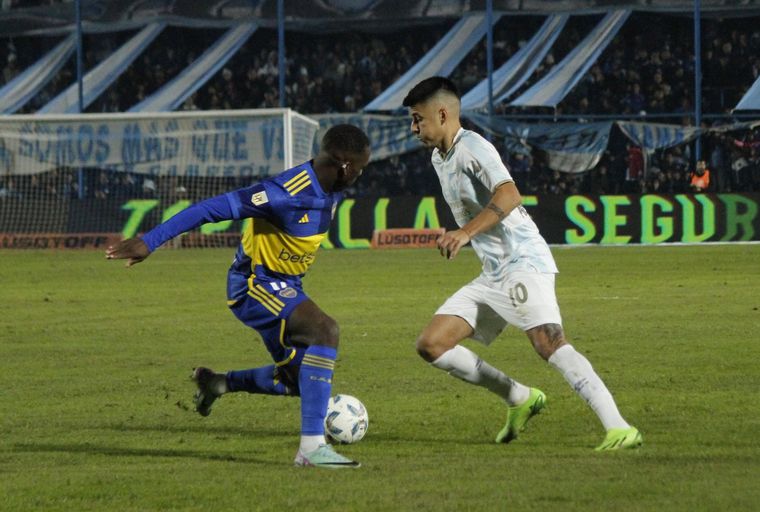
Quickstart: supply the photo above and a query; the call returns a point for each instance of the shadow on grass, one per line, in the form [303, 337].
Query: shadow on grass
[93, 449]
[253, 433]
[271, 434]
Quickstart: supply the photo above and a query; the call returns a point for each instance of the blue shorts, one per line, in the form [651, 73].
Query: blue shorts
[266, 307]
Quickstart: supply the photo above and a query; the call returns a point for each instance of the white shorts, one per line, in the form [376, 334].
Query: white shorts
[526, 300]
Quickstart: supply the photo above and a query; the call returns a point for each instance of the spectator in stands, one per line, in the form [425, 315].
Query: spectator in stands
[70, 188]
[10, 71]
[125, 186]
[102, 186]
[8, 188]
[700, 178]
[600, 180]
[519, 166]
[717, 164]
[149, 188]
[646, 68]
[635, 168]
[635, 102]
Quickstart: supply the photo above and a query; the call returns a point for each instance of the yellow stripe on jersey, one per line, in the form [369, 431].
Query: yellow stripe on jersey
[300, 188]
[276, 250]
[299, 182]
[295, 178]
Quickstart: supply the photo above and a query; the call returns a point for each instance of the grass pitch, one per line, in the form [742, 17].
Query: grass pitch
[97, 412]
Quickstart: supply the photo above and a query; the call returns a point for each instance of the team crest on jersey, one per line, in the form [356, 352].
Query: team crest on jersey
[259, 198]
[287, 293]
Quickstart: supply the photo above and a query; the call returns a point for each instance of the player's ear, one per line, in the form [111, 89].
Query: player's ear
[442, 114]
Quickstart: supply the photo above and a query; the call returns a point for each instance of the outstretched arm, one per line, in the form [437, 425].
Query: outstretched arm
[505, 199]
[136, 250]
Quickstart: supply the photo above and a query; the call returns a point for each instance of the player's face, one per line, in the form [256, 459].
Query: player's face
[426, 123]
[351, 169]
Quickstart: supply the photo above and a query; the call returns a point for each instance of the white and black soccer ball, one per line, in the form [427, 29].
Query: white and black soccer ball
[347, 419]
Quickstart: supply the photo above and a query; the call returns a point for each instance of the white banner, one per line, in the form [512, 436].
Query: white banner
[230, 143]
[388, 135]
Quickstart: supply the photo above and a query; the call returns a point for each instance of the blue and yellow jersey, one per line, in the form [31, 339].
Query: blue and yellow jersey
[289, 217]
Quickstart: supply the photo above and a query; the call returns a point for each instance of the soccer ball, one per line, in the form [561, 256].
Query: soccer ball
[347, 420]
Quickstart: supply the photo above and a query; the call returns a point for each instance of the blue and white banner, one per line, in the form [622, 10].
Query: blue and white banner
[173, 94]
[516, 71]
[16, 93]
[561, 79]
[388, 135]
[569, 147]
[57, 18]
[221, 143]
[651, 136]
[751, 99]
[104, 74]
[439, 61]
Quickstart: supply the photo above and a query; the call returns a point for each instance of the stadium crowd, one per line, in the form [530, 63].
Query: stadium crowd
[646, 73]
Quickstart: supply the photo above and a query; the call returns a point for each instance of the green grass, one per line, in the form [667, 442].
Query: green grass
[96, 411]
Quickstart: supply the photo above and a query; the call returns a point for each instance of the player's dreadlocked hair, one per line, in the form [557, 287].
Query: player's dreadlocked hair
[345, 137]
[424, 90]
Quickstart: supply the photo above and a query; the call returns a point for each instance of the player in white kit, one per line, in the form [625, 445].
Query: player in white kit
[516, 285]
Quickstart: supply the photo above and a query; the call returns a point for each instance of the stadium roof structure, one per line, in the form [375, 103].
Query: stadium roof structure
[321, 15]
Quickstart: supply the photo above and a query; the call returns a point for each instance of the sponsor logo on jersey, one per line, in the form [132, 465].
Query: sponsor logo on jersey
[259, 198]
[304, 219]
[285, 255]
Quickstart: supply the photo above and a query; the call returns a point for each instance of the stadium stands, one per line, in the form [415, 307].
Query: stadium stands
[646, 73]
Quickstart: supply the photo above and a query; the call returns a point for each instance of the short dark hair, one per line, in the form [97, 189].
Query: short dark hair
[424, 90]
[345, 137]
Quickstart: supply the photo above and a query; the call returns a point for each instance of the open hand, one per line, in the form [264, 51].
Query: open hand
[133, 249]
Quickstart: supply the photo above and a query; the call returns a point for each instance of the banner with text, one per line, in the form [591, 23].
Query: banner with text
[183, 144]
[575, 219]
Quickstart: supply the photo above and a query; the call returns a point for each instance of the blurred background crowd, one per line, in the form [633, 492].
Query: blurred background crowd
[647, 73]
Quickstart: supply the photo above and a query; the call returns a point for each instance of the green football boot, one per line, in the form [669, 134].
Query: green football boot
[621, 439]
[518, 415]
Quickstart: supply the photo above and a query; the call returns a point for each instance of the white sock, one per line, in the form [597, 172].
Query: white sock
[311, 443]
[466, 365]
[583, 379]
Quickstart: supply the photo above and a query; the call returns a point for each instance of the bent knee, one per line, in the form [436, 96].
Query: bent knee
[429, 348]
[547, 339]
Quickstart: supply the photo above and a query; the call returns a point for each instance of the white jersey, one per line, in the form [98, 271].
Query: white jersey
[469, 175]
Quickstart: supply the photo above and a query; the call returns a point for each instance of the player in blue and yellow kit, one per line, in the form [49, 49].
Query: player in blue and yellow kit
[290, 214]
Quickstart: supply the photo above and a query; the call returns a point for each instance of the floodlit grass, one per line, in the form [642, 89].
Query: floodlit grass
[97, 412]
